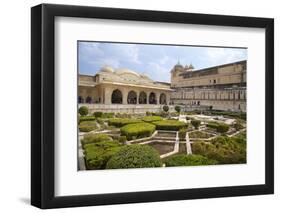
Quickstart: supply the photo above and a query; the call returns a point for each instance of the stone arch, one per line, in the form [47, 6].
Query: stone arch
[163, 99]
[88, 100]
[116, 97]
[152, 98]
[132, 97]
[142, 98]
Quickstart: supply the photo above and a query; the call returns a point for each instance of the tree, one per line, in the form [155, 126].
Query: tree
[165, 108]
[178, 109]
[196, 123]
[83, 111]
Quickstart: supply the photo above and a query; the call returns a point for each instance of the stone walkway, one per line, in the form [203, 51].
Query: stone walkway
[188, 145]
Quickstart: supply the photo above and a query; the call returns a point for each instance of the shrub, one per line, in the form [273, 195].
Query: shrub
[83, 111]
[178, 109]
[119, 122]
[93, 138]
[138, 130]
[152, 118]
[223, 149]
[86, 118]
[107, 115]
[222, 128]
[188, 160]
[238, 125]
[98, 114]
[196, 123]
[213, 125]
[87, 126]
[173, 125]
[182, 133]
[135, 156]
[165, 108]
[122, 139]
[148, 113]
[98, 154]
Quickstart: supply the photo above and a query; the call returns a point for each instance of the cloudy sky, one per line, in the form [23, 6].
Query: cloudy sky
[154, 60]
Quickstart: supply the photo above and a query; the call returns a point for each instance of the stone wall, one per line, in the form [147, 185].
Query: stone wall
[120, 108]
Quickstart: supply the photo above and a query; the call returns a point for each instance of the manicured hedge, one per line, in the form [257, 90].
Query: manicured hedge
[93, 138]
[137, 130]
[119, 122]
[220, 127]
[86, 118]
[135, 156]
[165, 108]
[83, 111]
[223, 149]
[87, 126]
[188, 160]
[182, 134]
[178, 109]
[196, 123]
[152, 118]
[98, 154]
[98, 114]
[173, 125]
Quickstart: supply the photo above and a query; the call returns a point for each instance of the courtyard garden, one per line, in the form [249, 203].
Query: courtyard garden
[163, 139]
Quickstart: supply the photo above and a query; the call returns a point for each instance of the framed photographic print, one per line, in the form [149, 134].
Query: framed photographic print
[139, 106]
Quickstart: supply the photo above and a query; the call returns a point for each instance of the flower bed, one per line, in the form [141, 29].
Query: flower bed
[137, 130]
[172, 125]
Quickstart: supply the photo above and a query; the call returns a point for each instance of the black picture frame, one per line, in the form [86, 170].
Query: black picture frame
[43, 102]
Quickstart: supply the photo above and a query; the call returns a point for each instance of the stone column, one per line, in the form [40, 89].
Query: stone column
[107, 95]
[124, 95]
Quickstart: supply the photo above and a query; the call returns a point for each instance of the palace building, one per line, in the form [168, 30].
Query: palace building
[122, 90]
[220, 87]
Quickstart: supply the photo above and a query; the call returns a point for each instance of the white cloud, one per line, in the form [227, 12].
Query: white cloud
[216, 56]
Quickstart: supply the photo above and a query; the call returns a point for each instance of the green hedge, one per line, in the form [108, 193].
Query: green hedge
[220, 127]
[83, 111]
[152, 118]
[87, 126]
[98, 114]
[119, 122]
[182, 134]
[196, 123]
[223, 149]
[86, 118]
[98, 154]
[93, 138]
[173, 125]
[165, 108]
[188, 160]
[137, 130]
[135, 156]
[178, 109]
